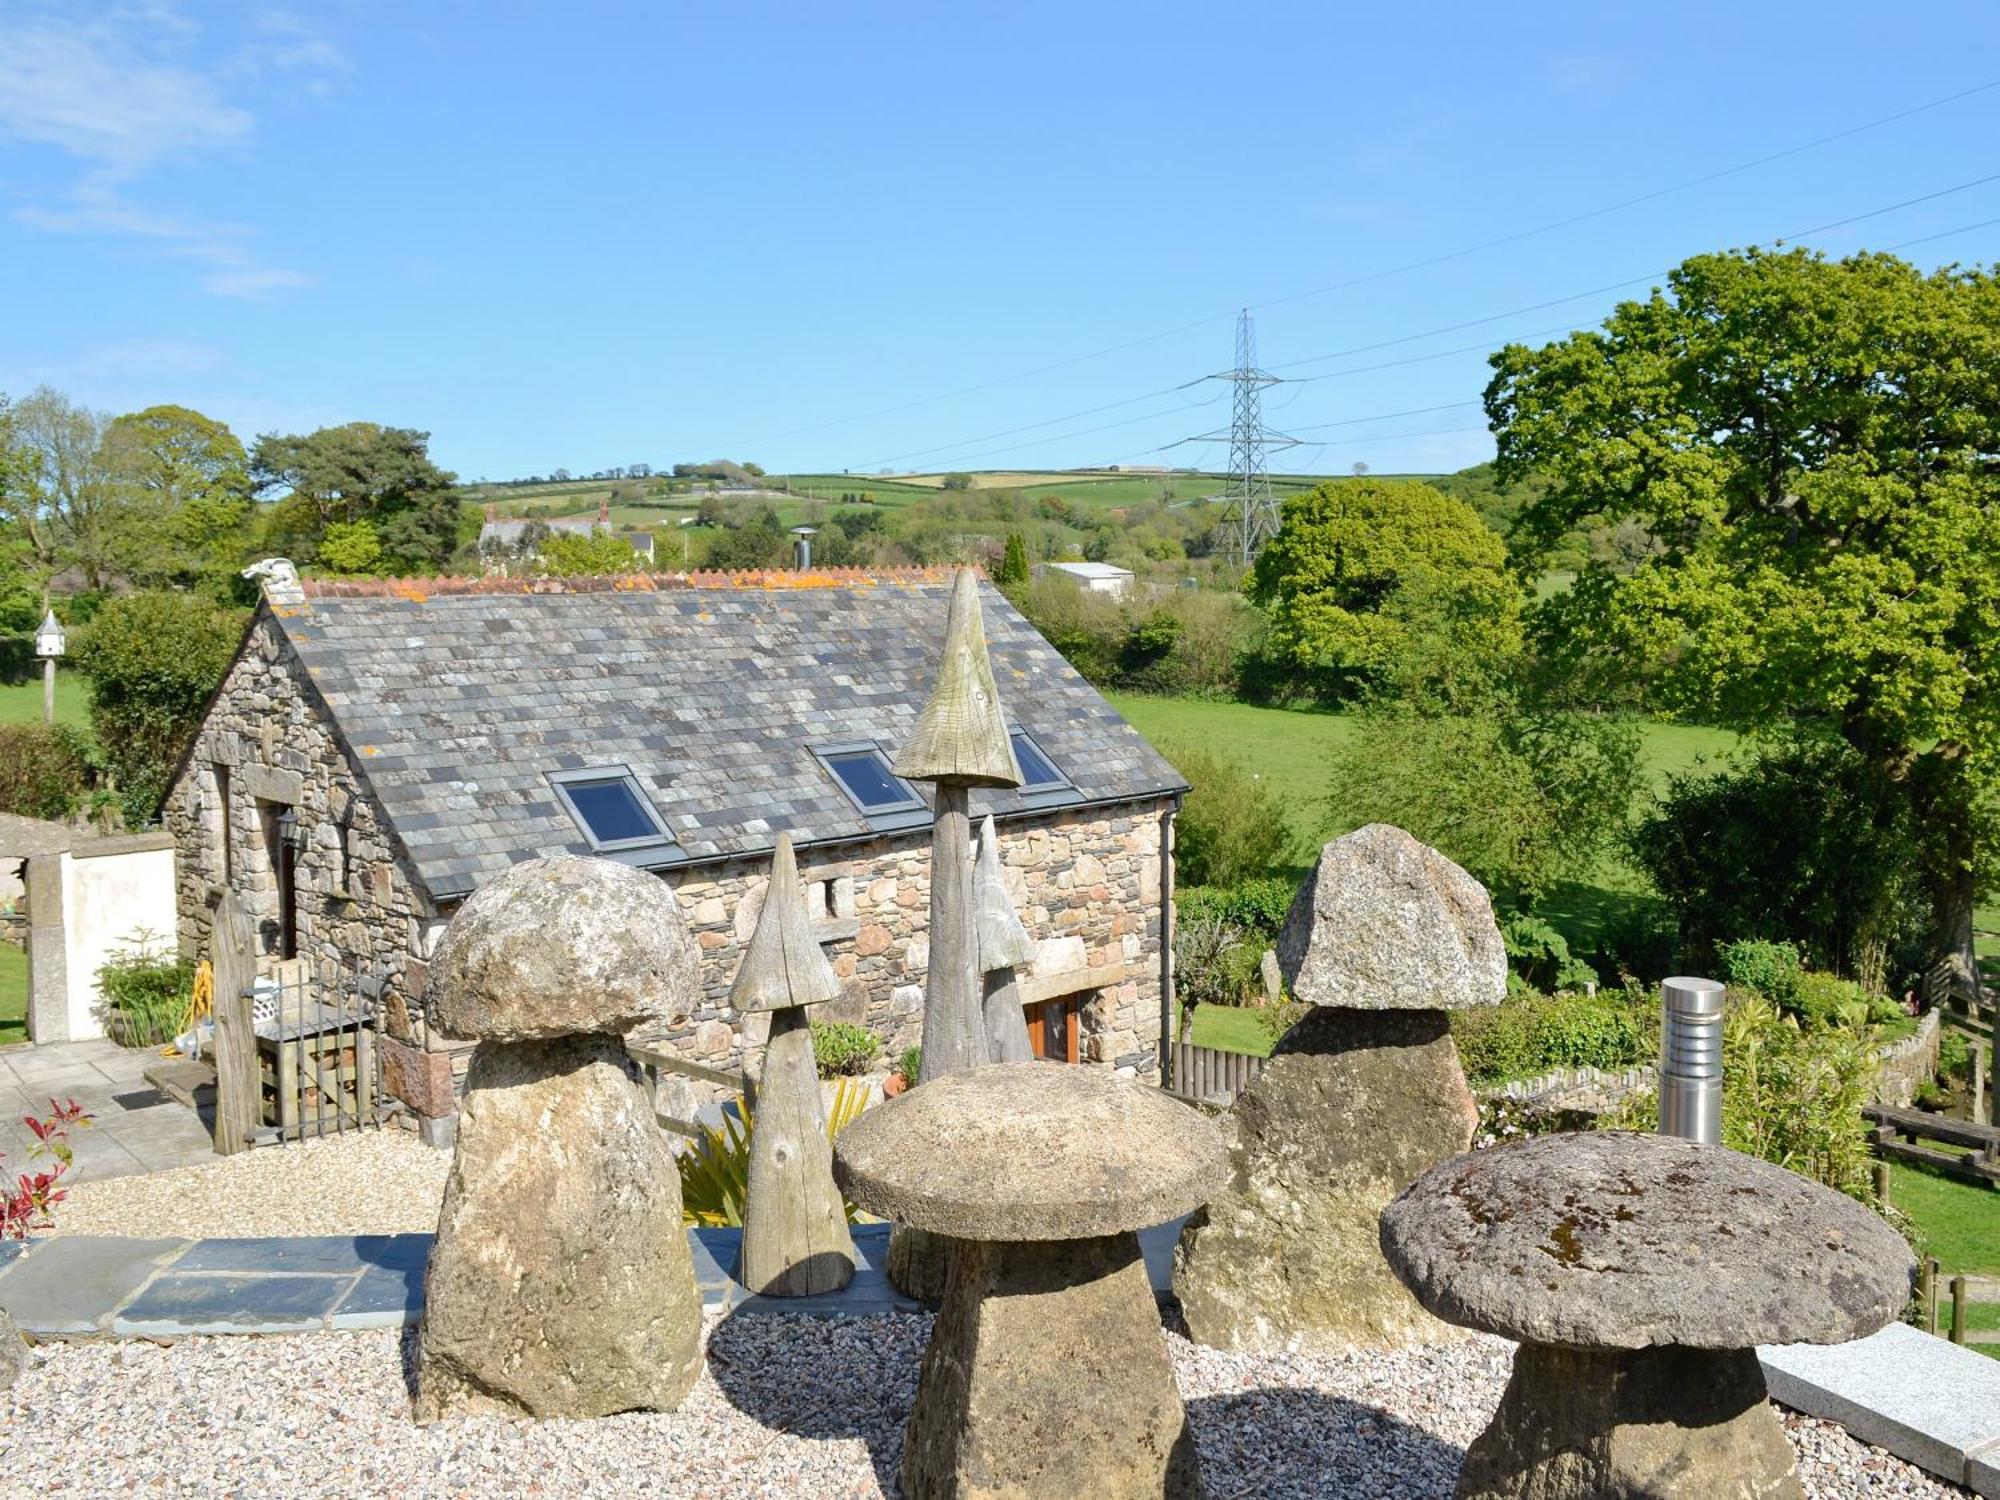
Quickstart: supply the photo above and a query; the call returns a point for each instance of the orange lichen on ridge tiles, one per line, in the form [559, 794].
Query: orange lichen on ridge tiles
[419, 590]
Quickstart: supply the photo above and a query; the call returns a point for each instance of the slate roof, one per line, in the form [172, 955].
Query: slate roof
[458, 698]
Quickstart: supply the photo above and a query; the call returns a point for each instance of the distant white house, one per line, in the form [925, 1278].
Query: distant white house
[1094, 578]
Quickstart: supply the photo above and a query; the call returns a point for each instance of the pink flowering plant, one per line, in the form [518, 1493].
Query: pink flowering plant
[26, 1205]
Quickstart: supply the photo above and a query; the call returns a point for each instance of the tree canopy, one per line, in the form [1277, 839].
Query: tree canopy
[1812, 448]
[360, 472]
[1366, 574]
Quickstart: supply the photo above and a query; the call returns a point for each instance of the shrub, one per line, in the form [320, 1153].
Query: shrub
[1828, 1000]
[715, 1170]
[1206, 966]
[43, 770]
[27, 1204]
[910, 1063]
[1807, 842]
[1772, 970]
[1230, 828]
[1531, 1033]
[1539, 956]
[146, 992]
[153, 659]
[1257, 906]
[841, 1049]
[1789, 1095]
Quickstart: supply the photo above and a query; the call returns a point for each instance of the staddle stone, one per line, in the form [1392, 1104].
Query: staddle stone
[1030, 1151]
[559, 946]
[1618, 1240]
[1046, 1374]
[561, 1284]
[1387, 923]
[1639, 1273]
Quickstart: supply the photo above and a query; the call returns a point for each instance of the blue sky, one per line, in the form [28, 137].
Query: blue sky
[590, 234]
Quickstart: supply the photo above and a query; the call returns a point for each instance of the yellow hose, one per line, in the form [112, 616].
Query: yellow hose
[199, 1005]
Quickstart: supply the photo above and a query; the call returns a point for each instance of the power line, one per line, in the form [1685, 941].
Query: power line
[1416, 265]
[1611, 208]
[1441, 330]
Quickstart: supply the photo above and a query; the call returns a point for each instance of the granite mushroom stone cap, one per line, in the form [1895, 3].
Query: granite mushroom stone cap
[1030, 1151]
[1387, 923]
[562, 946]
[1613, 1240]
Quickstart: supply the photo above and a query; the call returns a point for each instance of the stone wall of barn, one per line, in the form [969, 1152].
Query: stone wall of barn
[1085, 881]
[263, 747]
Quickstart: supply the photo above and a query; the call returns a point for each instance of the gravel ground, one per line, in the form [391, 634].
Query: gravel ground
[372, 1182]
[787, 1407]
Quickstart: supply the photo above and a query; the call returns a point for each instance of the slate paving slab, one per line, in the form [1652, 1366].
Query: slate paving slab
[72, 1285]
[232, 1303]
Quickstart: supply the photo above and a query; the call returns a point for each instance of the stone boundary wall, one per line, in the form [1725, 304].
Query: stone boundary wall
[1901, 1068]
[1908, 1065]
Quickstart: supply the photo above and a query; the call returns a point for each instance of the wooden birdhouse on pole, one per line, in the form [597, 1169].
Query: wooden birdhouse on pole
[795, 1236]
[1004, 946]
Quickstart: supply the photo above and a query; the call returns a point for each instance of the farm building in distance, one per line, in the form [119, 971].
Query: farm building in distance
[381, 748]
[1092, 577]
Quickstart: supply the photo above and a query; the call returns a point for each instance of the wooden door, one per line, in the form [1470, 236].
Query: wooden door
[1053, 1027]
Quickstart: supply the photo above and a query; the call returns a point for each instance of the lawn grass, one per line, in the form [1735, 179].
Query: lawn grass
[21, 702]
[13, 994]
[1231, 1028]
[1960, 1222]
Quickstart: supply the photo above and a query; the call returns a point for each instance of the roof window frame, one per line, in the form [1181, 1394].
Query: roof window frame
[662, 838]
[912, 812]
[1038, 794]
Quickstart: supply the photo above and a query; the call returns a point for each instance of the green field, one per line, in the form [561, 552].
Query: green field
[1287, 749]
[21, 702]
[13, 994]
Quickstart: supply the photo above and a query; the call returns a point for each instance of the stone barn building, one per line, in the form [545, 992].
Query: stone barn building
[380, 748]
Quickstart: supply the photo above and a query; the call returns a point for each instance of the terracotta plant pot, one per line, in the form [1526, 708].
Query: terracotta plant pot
[893, 1085]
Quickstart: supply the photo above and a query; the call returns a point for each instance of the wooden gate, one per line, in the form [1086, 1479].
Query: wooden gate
[1207, 1075]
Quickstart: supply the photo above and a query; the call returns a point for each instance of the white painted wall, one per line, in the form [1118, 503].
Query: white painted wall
[109, 902]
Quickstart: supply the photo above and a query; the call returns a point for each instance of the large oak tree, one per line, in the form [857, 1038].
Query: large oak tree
[1813, 448]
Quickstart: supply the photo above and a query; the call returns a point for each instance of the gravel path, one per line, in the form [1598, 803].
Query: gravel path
[371, 1182]
[787, 1407]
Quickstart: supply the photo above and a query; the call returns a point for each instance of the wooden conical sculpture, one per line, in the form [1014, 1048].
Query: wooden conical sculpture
[795, 1236]
[1004, 947]
[960, 742]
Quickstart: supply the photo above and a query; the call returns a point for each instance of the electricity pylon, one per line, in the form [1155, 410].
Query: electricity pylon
[1248, 493]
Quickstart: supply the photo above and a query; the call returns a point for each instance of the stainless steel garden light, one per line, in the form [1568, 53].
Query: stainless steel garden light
[1691, 1059]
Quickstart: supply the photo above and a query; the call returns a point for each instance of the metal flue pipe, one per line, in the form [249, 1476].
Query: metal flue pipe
[1691, 1059]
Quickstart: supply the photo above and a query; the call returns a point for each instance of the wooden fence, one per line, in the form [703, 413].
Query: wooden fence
[1897, 1132]
[1205, 1075]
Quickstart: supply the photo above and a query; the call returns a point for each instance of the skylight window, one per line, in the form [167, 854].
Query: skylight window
[1038, 772]
[863, 773]
[611, 808]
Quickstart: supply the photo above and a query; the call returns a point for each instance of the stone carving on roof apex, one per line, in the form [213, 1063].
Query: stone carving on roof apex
[279, 579]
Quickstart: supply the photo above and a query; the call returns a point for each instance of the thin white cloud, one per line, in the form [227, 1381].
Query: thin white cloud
[255, 283]
[84, 87]
[126, 90]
